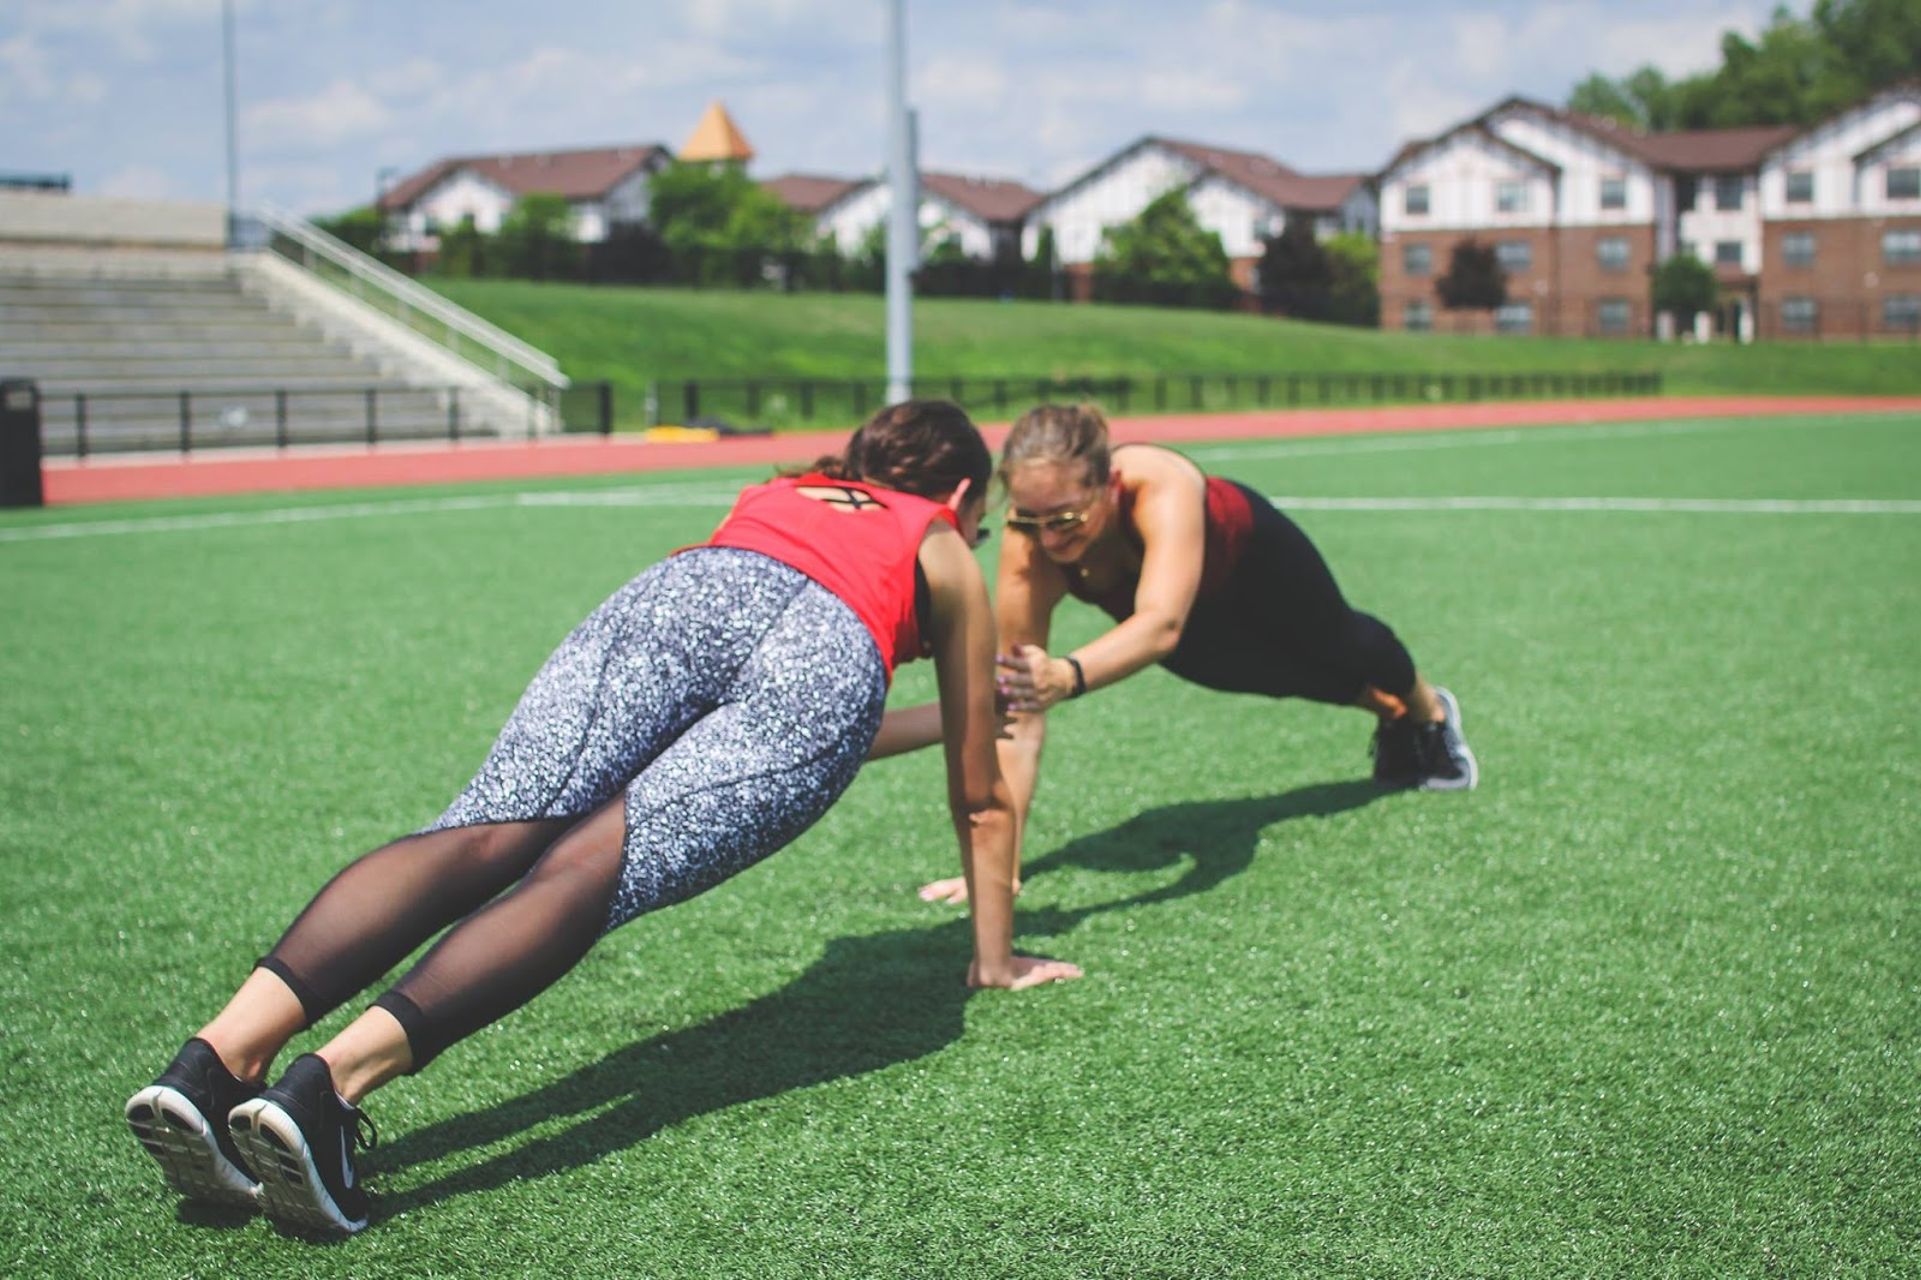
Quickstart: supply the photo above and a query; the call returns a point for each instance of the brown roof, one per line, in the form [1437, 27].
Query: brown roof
[577, 175]
[716, 137]
[989, 199]
[1263, 175]
[1703, 150]
[1689, 150]
[811, 193]
[1480, 130]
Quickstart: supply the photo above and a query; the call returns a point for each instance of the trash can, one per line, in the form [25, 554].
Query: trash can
[20, 445]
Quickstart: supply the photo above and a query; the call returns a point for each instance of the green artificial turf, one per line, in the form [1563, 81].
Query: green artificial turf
[1645, 1004]
[632, 337]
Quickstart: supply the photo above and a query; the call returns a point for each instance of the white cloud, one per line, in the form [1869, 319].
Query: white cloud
[26, 69]
[341, 112]
[413, 78]
[1680, 44]
[139, 182]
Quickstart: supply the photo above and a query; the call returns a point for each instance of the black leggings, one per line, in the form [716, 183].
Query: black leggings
[1281, 627]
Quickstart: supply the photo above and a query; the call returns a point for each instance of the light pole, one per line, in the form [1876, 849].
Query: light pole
[233, 132]
[903, 218]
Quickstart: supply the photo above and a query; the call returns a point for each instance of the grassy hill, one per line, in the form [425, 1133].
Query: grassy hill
[629, 336]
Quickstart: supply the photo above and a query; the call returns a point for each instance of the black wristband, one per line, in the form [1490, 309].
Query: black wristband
[1080, 676]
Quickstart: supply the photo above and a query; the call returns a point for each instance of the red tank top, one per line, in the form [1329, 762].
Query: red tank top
[1228, 519]
[862, 546]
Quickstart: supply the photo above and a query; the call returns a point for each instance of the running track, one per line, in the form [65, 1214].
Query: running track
[123, 478]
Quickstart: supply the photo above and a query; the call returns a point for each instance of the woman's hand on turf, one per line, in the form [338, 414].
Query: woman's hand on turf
[1022, 972]
[1030, 680]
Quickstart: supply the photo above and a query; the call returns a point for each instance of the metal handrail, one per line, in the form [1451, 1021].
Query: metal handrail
[412, 296]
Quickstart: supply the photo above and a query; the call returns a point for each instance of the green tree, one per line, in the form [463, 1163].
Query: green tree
[536, 239]
[1044, 272]
[1355, 257]
[1164, 255]
[1798, 71]
[464, 250]
[1685, 286]
[1474, 279]
[722, 226]
[1296, 275]
[363, 228]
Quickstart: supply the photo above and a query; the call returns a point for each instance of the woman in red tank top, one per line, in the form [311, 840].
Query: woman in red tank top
[700, 719]
[1202, 576]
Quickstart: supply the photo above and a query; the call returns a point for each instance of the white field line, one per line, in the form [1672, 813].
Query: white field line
[1696, 506]
[707, 495]
[1412, 443]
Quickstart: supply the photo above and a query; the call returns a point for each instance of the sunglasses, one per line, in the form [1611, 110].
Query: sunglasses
[1059, 522]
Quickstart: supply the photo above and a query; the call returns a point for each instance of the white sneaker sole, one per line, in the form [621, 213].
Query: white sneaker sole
[173, 1131]
[291, 1192]
[1466, 753]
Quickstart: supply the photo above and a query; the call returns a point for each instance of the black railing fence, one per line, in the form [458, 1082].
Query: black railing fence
[84, 423]
[786, 401]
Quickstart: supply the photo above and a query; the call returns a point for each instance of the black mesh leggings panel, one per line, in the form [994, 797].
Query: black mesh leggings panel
[1281, 626]
[710, 711]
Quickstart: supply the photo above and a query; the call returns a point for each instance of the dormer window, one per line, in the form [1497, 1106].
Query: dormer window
[1417, 199]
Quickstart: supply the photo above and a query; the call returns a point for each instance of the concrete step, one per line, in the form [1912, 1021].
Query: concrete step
[278, 345]
[139, 371]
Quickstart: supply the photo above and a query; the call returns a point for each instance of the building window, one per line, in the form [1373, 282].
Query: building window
[1614, 193]
[1510, 197]
[1688, 249]
[1801, 186]
[1727, 192]
[1514, 317]
[1514, 255]
[1417, 199]
[1904, 183]
[1901, 248]
[1612, 253]
[1727, 253]
[1901, 311]
[1799, 315]
[1797, 249]
[1418, 316]
[1613, 315]
[1417, 259]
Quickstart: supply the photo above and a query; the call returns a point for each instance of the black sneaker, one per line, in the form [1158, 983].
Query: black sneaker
[299, 1137]
[1446, 762]
[181, 1119]
[1397, 753]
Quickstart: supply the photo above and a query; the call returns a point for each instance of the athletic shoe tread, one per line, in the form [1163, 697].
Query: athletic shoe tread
[299, 1137]
[180, 1120]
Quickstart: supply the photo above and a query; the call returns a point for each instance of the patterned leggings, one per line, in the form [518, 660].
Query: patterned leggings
[704, 716]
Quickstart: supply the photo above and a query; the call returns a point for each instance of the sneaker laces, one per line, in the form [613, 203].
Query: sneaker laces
[368, 1139]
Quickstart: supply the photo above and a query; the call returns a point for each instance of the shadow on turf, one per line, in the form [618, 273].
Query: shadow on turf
[868, 1003]
[1219, 837]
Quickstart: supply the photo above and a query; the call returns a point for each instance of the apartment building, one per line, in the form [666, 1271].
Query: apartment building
[1841, 224]
[602, 186]
[1580, 210]
[1242, 196]
[984, 216]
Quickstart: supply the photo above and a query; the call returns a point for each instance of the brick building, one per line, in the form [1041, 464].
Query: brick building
[1580, 210]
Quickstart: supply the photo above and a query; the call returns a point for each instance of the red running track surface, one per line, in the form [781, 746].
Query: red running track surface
[130, 477]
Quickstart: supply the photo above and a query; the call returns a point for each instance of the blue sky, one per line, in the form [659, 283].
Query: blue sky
[126, 95]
